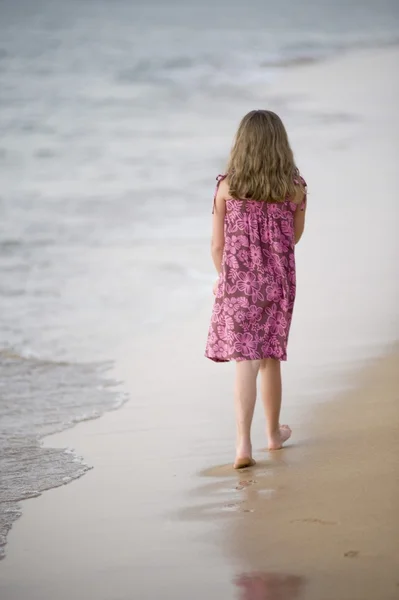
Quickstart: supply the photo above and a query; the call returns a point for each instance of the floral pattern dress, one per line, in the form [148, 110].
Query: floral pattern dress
[255, 296]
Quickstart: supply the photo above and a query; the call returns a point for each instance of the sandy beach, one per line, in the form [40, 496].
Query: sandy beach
[162, 514]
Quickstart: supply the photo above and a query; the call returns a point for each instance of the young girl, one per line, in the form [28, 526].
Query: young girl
[258, 217]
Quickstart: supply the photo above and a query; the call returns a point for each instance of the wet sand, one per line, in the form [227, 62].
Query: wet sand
[324, 513]
[162, 514]
[316, 521]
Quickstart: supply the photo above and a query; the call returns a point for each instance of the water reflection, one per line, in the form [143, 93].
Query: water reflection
[270, 586]
[256, 536]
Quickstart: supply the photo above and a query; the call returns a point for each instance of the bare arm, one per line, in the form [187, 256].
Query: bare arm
[300, 213]
[219, 212]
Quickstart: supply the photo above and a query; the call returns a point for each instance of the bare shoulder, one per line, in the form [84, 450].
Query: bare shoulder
[223, 192]
[219, 204]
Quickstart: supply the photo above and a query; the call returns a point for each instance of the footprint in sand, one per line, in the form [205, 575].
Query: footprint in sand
[317, 521]
[237, 507]
[245, 483]
[232, 506]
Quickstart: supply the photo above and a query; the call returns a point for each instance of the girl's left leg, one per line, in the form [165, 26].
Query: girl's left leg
[245, 398]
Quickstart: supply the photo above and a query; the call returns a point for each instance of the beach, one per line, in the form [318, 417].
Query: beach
[162, 514]
[158, 516]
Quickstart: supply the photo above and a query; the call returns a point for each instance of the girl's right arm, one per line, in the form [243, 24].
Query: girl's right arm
[299, 222]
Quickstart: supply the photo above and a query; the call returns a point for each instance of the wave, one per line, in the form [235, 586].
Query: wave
[207, 70]
[44, 396]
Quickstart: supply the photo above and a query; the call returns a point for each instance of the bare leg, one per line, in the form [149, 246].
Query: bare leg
[245, 398]
[271, 395]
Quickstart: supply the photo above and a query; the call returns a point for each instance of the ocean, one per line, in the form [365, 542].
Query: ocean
[115, 118]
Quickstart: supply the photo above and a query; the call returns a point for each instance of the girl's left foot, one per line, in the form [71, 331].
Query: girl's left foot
[243, 463]
[276, 441]
[243, 455]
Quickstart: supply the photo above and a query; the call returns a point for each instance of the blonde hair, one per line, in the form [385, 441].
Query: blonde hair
[261, 164]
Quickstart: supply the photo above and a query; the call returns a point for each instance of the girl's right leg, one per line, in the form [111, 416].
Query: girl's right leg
[271, 395]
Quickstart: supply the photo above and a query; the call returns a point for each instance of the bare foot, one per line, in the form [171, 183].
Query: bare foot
[243, 455]
[243, 463]
[276, 441]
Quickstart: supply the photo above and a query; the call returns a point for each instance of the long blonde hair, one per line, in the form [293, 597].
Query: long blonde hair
[261, 164]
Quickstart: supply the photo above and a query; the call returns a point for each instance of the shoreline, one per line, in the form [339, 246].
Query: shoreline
[146, 466]
[187, 511]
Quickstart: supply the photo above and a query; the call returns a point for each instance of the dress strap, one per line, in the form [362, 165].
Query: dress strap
[219, 178]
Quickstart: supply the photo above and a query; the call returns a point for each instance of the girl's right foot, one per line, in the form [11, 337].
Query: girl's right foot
[277, 440]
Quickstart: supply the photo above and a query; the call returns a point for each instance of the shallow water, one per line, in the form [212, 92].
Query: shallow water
[115, 118]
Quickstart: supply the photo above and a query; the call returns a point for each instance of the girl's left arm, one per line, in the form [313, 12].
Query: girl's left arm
[219, 212]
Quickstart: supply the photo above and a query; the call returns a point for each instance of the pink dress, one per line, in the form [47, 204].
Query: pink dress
[255, 297]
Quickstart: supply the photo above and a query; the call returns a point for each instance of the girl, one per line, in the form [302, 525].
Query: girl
[258, 217]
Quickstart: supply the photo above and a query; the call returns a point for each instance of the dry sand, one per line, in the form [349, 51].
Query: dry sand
[156, 518]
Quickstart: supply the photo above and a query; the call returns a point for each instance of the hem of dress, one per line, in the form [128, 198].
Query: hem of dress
[243, 358]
